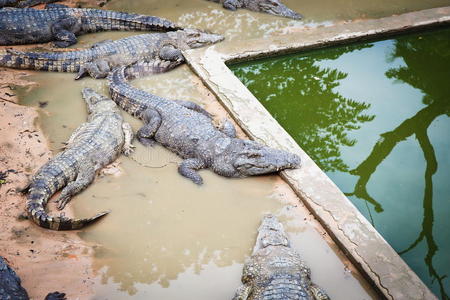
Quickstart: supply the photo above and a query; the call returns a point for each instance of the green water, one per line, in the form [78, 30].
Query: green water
[375, 118]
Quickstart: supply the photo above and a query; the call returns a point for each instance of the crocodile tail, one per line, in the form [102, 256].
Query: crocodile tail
[135, 101]
[67, 61]
[121, 93]
[37, 213]
[97, 19]
[142, 69]
[122, 74]
[41, 218]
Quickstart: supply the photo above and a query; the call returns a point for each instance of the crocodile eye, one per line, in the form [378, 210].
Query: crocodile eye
[254, 155]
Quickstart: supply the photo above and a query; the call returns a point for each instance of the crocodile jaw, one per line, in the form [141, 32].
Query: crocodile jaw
[275, 7]
[270, 233]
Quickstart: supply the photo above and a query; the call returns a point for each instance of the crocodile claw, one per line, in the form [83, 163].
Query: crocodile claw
[81, 73]
[147, 142]
[127, 151]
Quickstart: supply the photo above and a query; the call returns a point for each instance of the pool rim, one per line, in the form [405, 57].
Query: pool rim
[385, 270]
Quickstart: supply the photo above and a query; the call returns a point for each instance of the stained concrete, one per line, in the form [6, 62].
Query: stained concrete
[361, 242]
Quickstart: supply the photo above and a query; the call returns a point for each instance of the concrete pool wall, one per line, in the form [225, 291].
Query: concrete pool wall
[383, 267]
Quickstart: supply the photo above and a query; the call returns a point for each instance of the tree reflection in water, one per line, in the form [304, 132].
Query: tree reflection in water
[426, 68]
[304, 98]
[300, 89]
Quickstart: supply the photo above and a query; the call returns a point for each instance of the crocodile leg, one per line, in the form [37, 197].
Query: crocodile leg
[128, 148]
[318, 293]
[96, 69]
[152, 121]
[85, 176]
[193, 106]
[169, 52]
[63, 32]
[243, 292]
[188, 168]
[99, 69]
[83, 71]
[231, 4]
[74, 135]
[228, 128]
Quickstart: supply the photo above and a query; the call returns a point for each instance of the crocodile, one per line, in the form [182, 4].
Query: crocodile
[62, 24]
[92, 146]
[11, 287]
[275, 270]
[102, 57]
[24, 3]
[273, 7]
[187, 129]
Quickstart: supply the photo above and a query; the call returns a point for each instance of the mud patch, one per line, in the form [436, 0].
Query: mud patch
[45, 260]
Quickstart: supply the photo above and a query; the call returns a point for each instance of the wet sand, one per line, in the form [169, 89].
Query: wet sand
[45, 260]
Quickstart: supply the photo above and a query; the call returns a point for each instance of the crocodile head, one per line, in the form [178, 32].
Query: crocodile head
[270, 233]
[97, 103]
[273, 7]
[195, 38]
[256, 159]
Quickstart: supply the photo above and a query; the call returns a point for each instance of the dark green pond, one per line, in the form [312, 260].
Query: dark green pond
[375, 118]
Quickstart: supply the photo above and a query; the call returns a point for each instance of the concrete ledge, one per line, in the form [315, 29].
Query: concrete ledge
[383, 267]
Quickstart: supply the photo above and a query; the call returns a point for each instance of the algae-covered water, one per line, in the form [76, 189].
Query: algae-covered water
[375, 117]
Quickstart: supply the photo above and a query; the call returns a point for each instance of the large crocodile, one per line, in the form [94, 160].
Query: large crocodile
[24, 3]
[275, 270]
[11, 288]
[187, 129]
[63, 24]
[273, 7]
[99, 60]
[92, 146]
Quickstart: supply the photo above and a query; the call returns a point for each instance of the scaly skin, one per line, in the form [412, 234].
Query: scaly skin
[273, 7]
[11, 288]
[275, 270]
[99, 60]
[63, 24]
[187, 129]
[92, 146]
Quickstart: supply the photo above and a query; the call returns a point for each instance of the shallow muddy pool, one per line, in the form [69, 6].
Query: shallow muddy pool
[375, 117]
[165, 237]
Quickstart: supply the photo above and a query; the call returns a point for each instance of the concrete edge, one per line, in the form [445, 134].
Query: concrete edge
[365, 247]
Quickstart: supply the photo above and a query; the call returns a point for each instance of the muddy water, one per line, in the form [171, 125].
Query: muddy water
[165, 237]
[244, 24]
